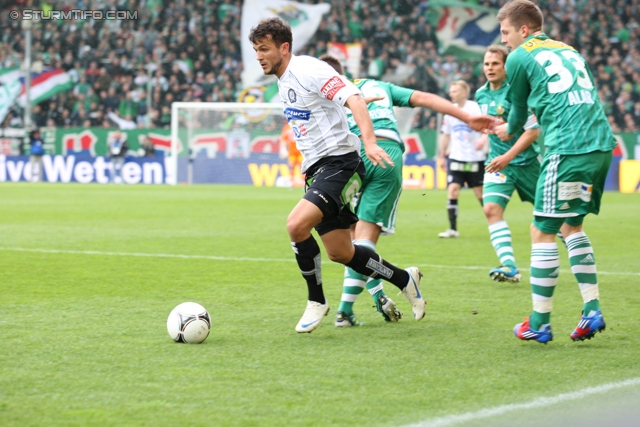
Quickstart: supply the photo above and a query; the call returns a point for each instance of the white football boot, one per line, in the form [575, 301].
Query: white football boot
[412, 292]
[313, 315]
[449, 234]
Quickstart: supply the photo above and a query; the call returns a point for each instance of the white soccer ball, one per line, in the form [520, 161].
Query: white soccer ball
[189, 323]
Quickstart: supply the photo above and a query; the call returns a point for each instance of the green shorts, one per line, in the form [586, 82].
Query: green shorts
[381, 189]
[499, 186]
[570, 187]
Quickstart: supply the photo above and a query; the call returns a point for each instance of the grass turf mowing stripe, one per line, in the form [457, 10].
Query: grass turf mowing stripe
[537, 403]
[226, 258]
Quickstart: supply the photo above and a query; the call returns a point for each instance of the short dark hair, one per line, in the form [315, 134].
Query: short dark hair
[333, 61]
[499, 50]
[522, 12]
[279, 31]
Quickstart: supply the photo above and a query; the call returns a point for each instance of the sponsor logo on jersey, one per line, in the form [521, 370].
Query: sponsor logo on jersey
[496, 177]
[574, 190]
[462, 127]
[295, 114]
[585, 192]
[331, 87]
[292, 96]
[299, 131]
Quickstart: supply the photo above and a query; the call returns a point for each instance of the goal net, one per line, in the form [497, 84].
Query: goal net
[218, 142]
[235, 143]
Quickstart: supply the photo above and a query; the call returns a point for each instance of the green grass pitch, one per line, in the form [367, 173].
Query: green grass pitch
[88, 275]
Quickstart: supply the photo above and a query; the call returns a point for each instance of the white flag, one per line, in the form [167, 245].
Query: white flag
[10, 89]
[303, 18]
[464, 29]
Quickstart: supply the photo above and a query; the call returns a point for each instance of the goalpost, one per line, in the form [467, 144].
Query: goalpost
[233, 142]
[204, 135]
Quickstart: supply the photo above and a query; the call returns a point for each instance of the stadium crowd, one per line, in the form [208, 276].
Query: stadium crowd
[192, 51]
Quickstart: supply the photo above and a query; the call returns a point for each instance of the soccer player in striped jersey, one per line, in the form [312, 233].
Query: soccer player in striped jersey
[511, 165]
[377, 203]
[313, 96]
[462, 154]
[553, 80]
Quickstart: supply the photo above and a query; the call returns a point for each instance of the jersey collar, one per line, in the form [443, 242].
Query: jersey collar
[504, 84]
[288, 66]
[538, 35]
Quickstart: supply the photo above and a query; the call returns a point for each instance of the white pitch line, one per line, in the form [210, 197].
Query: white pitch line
[138, 254]
[537, 403]
[227, 258]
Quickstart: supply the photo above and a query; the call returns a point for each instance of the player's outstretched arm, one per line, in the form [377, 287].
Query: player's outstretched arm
[441, 105]
[526, 139]
[370, 99]
[374, 152]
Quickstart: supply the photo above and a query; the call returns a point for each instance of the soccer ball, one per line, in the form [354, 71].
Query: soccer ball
[189, 323]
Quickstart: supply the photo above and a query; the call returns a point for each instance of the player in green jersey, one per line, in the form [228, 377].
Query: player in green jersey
[377, 203]
[553, 80]
[511, 165]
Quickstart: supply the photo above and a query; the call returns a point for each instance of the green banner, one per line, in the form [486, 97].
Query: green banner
[94, 141]
[419, 142]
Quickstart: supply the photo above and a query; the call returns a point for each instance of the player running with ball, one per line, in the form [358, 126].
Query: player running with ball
[313, 96]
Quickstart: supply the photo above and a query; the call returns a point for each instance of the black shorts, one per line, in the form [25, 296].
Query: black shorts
[471, 173]
[331, 184]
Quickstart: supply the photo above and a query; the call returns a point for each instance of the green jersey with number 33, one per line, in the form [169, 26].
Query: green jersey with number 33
[555, 82]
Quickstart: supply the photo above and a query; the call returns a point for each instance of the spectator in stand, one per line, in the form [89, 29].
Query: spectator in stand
[95, 114]
[82, 87]
[629, 123]
[103, 82]
[177, 40]
[53, 113]
[127, 106]
[92, 72]
[636, 114]
[110, 100]
[65, 118]
[39, 116]
[123, 123]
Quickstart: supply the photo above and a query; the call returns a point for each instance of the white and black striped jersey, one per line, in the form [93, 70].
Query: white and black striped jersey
[462, 145]
[313, 95]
